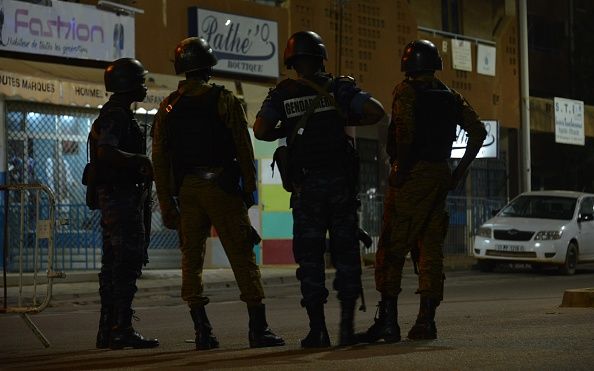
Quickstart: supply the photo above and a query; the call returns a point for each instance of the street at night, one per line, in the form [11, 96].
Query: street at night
[509, 319]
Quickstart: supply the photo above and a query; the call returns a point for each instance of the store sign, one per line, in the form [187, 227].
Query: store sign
[66, 30]
[569, 121]
[29, 88]
[243, 45]
[81, 94]
[153, 99]
[485, 60]
[68, 93]
[461, 55]
[490, 145]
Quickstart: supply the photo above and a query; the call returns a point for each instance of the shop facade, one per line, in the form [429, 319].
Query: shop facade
[47, 107]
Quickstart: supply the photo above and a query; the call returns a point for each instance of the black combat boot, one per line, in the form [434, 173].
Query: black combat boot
[347, 325]
[260, 335]
[123, 334]
[424, 328]
[318, 333]
[105, 324]
[204, 338]
[385, 324]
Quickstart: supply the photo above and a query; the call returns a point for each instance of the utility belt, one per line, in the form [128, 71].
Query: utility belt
[227, 178]
[204, 173]
[124, 187]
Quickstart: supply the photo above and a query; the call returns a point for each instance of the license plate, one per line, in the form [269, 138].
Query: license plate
[513, 248]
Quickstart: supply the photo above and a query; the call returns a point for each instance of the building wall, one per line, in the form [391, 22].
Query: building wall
[165, 23]
[374, 34]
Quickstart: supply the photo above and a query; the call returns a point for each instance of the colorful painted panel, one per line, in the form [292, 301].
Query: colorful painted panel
[277, 252]
[277, 225]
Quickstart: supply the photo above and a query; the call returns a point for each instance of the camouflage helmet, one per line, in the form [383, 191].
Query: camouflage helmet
[192, 54]
[124, 75]
[420, 55]
[304, 43]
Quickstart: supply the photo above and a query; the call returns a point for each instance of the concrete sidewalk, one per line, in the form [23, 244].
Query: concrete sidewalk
[84, 286]
[212, 277]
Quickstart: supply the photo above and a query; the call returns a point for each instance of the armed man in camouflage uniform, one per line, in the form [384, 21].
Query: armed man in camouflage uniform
[201, 149]
[322, 168]
[425, 113]
[120, 172]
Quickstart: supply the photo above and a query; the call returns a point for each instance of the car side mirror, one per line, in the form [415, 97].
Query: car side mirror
[585, 217]
[494, 212]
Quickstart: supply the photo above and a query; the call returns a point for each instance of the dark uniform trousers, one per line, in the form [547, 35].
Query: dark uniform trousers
[325, 202]
[204, 204]
[415, 215]
[123, 244]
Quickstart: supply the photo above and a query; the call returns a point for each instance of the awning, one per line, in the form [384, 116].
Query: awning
[69, 85]
[83, 86]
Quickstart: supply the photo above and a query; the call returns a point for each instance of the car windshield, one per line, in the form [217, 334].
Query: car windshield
[540, 207]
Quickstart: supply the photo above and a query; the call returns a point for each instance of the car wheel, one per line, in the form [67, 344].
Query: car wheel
[571, 258]
[485, 265]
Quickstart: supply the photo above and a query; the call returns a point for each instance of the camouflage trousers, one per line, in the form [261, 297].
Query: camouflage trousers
[326, 203]
[123, 245]
[415, 217]
[202, 205]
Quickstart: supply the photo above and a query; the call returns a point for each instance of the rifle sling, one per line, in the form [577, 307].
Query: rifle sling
[300, 126]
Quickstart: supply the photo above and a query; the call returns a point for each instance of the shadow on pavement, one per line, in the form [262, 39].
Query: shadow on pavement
[220, 359]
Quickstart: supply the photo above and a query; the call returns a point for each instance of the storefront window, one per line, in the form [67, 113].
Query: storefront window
[16, 121]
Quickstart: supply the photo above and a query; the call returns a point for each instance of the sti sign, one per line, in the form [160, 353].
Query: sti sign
[243, 45]
[65, 30]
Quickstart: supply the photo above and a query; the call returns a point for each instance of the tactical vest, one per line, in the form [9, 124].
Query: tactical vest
[322, 145]
[196, 135]
[131, 140]
[437, 113]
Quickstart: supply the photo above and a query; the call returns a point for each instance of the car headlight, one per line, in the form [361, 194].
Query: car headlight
[484, 232]
[548, 235]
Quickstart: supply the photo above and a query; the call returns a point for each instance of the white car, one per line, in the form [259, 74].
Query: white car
[539, 228]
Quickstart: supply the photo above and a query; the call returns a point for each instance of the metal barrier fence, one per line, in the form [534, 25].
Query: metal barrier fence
[30, 210]
[466, 216]
[47, 144]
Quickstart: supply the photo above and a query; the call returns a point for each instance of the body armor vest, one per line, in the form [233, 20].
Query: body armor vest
[437, 113]
[322, 145]
[196, 135]
[131, 141]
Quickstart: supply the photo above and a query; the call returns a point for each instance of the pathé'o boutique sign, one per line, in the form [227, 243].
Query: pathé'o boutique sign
[243, 45]
[65, 30]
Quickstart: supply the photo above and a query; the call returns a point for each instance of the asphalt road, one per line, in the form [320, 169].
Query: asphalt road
[505, 320]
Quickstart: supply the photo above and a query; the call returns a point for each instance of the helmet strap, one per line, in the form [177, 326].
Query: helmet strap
[201, 75]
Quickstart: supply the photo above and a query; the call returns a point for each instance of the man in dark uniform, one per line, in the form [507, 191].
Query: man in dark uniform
[322, 168]
[425, 113]
[121, 173]
[201, 149]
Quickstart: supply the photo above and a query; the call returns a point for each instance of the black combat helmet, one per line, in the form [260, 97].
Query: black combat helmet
[420, 55]
[193, 54]
[304, 43]
[124, 75]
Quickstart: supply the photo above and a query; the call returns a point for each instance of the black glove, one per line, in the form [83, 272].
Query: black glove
[364, 237]
[248, 199]
[171, 218]
[397, 177]
[255, 237]
[345, 88]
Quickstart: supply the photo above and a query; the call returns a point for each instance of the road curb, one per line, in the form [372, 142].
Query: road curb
[578, 298]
